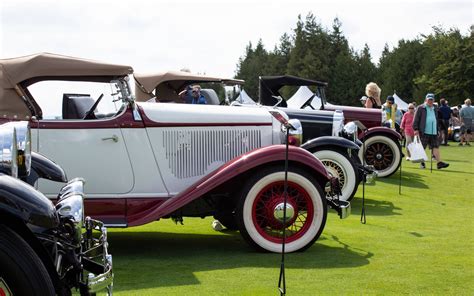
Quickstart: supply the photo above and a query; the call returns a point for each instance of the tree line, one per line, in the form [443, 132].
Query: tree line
[441, 62]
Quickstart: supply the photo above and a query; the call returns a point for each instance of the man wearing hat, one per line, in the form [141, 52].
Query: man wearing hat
[425, 126]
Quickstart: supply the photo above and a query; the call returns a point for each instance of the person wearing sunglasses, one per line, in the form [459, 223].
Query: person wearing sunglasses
[406, 127]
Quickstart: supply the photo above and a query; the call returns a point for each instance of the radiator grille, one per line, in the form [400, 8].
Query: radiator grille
[190, 153]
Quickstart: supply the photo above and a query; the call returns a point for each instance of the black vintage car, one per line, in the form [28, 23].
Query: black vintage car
[45, 249]
[382, 144]
[324, 132]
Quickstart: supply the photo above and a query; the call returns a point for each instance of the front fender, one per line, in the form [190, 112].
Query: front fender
[330, 141]
[43, 167]
[381, 131]
[20, 200]
[231, 169]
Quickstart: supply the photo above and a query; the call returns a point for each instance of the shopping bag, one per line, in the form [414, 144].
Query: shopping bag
[417, 153]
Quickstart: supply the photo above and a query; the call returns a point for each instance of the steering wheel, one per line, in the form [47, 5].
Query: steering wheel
[90, 114]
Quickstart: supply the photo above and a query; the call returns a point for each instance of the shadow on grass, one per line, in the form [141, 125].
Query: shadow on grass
[374, 207]
[145, 260]
[459, 172]
[409, 179]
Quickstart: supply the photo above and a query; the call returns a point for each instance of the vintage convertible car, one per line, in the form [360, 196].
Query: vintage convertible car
[319, 127]
[382, 145]
[45, 249]
[148, 161]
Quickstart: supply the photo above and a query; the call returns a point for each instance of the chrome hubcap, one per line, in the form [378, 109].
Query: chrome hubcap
[278, 212]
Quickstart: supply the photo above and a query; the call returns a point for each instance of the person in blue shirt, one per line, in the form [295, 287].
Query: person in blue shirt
[197, 97]
[425, 126]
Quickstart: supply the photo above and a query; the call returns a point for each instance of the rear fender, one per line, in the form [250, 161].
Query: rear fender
[330, 141]
[233, 168]
[380, 130]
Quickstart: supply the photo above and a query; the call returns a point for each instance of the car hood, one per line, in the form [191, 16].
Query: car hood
[169, 113]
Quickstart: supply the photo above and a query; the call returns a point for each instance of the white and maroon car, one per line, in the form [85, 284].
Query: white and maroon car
[146, 161]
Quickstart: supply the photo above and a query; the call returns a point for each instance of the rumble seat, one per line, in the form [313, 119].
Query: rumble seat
[211, 96]
[75, 106]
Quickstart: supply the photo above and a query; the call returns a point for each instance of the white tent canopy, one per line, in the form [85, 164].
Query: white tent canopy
[401, 105]
[244, 98]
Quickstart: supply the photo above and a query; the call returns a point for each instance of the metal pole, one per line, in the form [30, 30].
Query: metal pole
[363, 219]
[282, 281]
[431, 148]
[400, 179]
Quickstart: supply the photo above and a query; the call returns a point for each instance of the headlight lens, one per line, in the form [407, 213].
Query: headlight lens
[295, 135]
[337, 123]
[8, 151]
[23, 143]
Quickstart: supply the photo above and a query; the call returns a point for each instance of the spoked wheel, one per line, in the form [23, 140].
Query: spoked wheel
[21, 272]
[383, 153]
[341, 166]
[260, 210]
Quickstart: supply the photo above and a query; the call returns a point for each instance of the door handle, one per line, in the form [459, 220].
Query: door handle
[113, 138]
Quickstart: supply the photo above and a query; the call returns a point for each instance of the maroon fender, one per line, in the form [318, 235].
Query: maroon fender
[381, 130]
[229, 170]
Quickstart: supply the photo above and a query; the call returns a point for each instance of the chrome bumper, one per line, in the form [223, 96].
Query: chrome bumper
[333, 190]
[97, 261]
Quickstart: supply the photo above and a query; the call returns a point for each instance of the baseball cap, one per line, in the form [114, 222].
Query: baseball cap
[391, 99]
[430, 96]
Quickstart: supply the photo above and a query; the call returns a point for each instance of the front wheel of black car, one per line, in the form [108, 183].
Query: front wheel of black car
[21, 271]
[341, 166]
[384, 153]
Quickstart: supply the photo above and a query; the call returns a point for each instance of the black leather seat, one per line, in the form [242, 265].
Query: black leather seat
[75, 106]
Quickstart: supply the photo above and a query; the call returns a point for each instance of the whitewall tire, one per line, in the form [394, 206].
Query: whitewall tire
[260, 222]
[340, 166]
[383, 153]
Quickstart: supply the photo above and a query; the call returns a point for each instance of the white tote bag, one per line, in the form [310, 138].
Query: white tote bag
[417, 153]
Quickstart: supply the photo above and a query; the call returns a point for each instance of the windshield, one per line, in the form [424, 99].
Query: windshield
[60, 99]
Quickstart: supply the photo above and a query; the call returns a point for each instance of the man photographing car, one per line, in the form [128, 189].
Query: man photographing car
[425, 125]
[197, 97]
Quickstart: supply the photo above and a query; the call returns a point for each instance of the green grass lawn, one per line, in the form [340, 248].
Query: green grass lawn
[419, 242]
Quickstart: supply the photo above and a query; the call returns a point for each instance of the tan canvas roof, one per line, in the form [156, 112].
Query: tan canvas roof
[16, 70]
[174, 79]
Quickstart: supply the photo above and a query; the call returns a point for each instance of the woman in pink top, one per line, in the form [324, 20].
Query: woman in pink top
[406, 126]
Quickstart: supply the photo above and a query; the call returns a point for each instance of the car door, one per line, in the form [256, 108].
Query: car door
[92, 149]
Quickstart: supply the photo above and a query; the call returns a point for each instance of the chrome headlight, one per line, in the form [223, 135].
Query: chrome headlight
[350, 128]
[71, 206]
[8, 151]
[72, 209]
[23, 144]
[75, 186]
[337, 123]
[296, 134]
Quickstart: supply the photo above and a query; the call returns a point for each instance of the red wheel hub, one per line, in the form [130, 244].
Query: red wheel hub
[267, 212]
